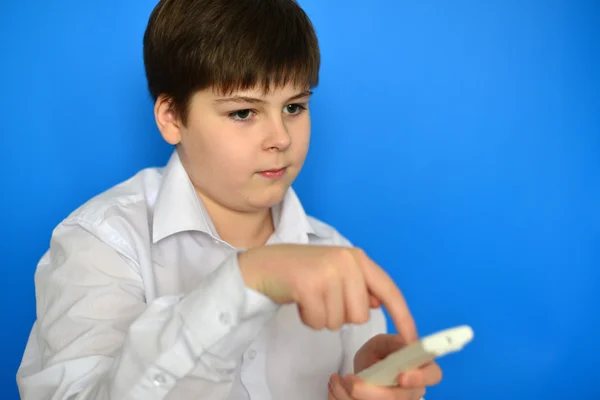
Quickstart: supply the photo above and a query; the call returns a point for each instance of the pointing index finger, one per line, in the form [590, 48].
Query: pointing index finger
[382, 286]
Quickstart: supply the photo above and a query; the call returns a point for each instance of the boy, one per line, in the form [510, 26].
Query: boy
[206, 279]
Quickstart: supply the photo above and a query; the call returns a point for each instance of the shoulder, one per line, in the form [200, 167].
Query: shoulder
[138, 191]
[119, 216]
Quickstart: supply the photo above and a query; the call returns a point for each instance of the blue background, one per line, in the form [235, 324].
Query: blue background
[458, 142]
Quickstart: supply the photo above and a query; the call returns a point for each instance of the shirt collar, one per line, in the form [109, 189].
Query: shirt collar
[178, 209]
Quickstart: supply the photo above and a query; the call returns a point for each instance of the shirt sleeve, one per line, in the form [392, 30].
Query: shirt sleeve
[96, 338]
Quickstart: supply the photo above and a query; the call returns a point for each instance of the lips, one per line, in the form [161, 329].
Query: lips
[273, 173]
[275, 170]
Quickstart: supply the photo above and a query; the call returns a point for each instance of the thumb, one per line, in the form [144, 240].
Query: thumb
[348, 382]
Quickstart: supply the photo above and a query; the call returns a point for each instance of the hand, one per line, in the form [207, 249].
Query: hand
[332, 286]
[411, 385]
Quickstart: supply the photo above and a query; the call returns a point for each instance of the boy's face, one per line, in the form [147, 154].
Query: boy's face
[243, 150]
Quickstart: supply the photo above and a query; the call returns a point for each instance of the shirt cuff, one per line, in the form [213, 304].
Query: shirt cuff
[257, 304]
[220, 304]
[212, 310]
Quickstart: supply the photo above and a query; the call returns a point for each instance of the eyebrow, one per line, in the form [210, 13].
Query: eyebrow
[254, 100]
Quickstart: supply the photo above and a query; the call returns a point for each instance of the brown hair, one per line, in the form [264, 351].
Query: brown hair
[229, 45]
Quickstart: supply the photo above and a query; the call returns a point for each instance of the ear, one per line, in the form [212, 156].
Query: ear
[167, 120]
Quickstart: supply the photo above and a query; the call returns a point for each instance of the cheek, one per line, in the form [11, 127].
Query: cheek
[220, 173]
[216, 157]
[227, 164]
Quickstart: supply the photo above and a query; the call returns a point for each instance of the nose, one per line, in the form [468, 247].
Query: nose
[278, 137]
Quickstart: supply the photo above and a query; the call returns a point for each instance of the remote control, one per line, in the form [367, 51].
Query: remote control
[386, 371]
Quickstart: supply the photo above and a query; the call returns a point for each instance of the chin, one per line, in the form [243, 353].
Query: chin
[269, 197]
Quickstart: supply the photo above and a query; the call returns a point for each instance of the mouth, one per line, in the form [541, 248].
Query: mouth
[274, 173]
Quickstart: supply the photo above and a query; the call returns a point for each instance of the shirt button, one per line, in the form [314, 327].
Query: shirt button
[252, 354]
[225, 371]
[225, 318]
[159, 380]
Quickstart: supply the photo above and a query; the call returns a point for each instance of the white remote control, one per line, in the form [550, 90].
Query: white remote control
[386, 371]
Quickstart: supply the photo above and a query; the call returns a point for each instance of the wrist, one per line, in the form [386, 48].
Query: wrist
[256, 268]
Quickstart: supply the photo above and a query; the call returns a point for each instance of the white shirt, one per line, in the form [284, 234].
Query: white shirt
[139, 298]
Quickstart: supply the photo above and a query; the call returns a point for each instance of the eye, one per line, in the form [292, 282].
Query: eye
[294, 109]
[241, 115]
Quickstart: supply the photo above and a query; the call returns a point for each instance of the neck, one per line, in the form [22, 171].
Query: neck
[240, 229]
